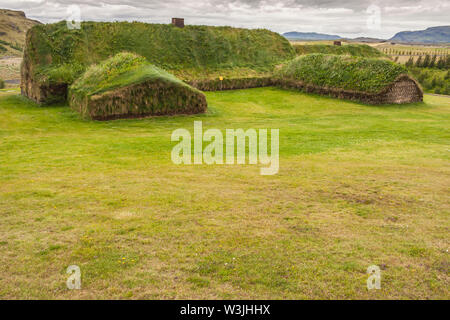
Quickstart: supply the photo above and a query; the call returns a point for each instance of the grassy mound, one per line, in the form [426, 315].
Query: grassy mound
[55, 55]
[357, 50]
[343, 72]
[126, 85]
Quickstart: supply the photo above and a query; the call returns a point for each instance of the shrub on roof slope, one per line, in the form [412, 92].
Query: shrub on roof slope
[126, 85]
[55, 56]
[344, 72]
[357, 50]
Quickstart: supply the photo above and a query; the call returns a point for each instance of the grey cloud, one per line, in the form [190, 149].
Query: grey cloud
[347, 17]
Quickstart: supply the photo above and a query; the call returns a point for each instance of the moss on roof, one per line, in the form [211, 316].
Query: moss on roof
[357, 50]
[61, 54]
[119, 71]
[127, 85]
[344, 72]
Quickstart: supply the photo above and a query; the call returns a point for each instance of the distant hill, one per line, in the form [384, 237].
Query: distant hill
[13, 28]
[430, 35]
[310, 36]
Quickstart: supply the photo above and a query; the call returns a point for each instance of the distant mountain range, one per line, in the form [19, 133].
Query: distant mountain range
[310, 36]
[430, 35]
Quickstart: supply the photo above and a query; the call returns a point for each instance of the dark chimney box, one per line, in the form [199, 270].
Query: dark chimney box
[178, 22]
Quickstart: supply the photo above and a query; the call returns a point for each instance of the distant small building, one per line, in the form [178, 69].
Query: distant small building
[178, 22]
[338, 43]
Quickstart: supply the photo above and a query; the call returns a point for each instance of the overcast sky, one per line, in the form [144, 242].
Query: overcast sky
[348, 18]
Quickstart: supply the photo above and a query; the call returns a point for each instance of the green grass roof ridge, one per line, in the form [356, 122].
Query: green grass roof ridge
[360, 50]
[124, 69]
[343, 72]
[61, 55]
[127, 85]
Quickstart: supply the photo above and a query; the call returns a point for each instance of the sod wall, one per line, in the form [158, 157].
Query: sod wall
[231, 84]
[402, 91]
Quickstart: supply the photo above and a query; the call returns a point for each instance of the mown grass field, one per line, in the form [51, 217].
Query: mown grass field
[358, 186]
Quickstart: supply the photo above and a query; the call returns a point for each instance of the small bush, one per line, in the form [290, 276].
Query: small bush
[2, 84]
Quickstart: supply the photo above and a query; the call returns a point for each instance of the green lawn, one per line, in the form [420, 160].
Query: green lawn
[358, 186]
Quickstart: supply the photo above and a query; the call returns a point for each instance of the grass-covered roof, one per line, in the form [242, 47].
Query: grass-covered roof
[122, 70]
[127, 85]
[60, 54]
[357, 50]
[343, 72]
